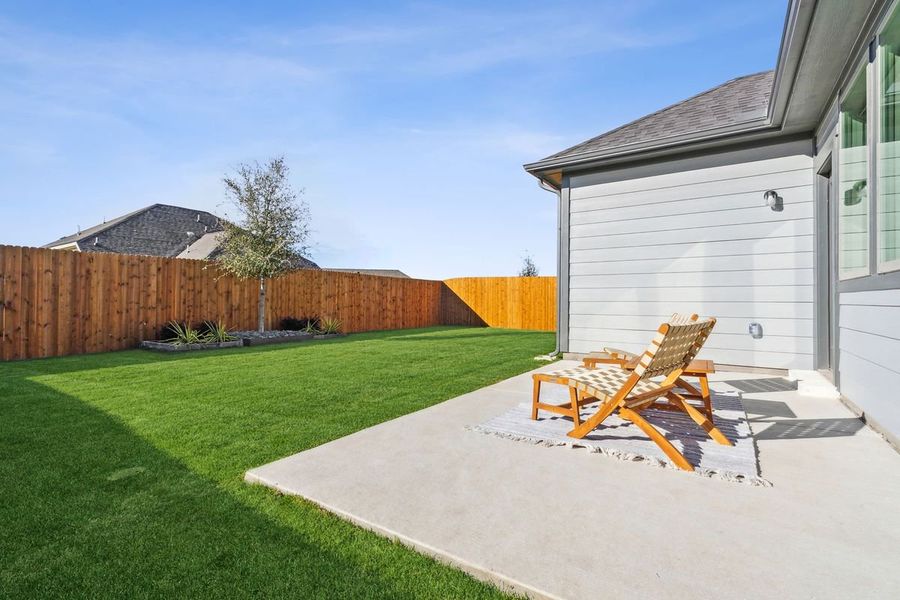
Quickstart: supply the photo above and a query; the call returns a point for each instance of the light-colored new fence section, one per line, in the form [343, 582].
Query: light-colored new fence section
[54, 303]
[514, 302]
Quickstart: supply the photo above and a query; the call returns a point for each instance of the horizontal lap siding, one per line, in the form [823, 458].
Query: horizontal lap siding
[869, 352]
[699, 240]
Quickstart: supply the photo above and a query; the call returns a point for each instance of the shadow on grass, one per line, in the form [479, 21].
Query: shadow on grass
[90, 508]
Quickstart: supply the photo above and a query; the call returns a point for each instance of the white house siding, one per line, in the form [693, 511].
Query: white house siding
[694, 235]
[869, 348]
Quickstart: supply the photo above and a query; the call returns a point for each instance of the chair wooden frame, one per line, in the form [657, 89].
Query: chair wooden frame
[669, 355]
[698, 369]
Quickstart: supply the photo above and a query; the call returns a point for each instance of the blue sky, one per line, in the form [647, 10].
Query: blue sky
[406, 122]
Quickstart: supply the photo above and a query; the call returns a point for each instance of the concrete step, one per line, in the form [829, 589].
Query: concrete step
[813, 384]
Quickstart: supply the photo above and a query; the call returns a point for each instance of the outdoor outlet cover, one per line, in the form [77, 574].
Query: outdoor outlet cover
[756, 331]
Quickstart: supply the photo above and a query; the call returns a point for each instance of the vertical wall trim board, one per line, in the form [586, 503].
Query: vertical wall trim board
[565, 258]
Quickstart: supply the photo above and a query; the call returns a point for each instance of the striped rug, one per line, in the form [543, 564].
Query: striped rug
[623, 440]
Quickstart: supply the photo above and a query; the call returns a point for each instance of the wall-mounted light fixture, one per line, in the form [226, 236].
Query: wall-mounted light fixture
[774, 201]
[755, 330]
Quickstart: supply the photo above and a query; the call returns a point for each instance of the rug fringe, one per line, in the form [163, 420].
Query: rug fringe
[627, 456]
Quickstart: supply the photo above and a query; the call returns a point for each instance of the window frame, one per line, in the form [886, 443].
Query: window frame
[878, 274]
[880, 266]
[862, 66]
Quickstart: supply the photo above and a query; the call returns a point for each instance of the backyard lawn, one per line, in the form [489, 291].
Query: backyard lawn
[121, 473]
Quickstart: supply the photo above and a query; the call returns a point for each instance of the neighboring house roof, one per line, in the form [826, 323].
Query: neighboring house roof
[734, 102]
[155, 230]
[158, 230]
[206, 246]
[301, 262]
[379, 272]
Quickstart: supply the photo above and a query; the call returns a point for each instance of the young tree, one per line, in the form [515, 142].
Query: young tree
[269, 232]
[529, 269]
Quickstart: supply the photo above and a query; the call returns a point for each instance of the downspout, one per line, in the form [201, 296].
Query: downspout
[546, 186]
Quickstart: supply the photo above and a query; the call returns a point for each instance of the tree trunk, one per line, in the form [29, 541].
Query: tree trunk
[261, 305]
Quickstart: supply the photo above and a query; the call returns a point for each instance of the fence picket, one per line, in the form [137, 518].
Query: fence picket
[59, 302]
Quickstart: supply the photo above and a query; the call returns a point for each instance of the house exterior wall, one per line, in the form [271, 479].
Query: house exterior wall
[869, 345]
[694, 235]
[867, 311]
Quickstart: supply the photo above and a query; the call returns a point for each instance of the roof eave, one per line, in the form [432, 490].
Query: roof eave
[670, 144]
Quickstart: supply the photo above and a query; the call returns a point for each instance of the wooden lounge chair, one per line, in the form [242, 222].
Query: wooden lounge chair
[697, 369]
[630, 392]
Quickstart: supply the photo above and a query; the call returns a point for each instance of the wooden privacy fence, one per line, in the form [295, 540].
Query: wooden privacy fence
[54, 303]
[514, 302]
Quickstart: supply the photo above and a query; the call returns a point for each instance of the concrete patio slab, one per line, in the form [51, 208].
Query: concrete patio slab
[564, 523]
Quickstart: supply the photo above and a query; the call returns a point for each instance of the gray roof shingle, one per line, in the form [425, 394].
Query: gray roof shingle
[734, 102]
[157, 230]
[379, 272]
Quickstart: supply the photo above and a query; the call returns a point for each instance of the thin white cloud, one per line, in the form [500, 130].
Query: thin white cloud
[55, 63]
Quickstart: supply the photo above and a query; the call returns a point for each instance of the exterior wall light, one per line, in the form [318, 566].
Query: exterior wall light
[755, 330]
[774, 201]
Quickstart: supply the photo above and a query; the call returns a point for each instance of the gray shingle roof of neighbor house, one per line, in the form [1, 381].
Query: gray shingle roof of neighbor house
[379, 272]
[740, 100]
[156, 230]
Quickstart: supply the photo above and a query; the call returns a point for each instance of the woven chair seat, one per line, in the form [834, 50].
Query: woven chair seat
[601, 383]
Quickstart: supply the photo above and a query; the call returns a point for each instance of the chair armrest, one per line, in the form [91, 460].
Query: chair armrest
[609, 356]
[621, 353]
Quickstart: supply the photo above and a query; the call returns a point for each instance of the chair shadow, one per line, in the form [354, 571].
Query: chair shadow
[804, 429]
[762, 386]
[781, 423]
[767, 408]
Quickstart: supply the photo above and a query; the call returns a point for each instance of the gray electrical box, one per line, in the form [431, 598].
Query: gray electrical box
[756, 331]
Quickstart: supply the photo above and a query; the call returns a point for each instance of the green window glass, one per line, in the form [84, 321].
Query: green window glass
[889, 146]
[853, 200]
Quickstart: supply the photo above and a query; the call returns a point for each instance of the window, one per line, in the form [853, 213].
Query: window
[888, 163]
[853, 199]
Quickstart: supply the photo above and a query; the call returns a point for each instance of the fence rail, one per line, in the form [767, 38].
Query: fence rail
[54, 303]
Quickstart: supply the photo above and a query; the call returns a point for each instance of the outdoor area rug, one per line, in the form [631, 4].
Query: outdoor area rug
[623, 440]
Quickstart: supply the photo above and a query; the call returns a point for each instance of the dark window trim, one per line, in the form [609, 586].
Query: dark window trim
[869, 283]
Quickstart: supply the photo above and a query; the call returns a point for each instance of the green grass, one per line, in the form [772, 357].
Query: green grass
[121, 473]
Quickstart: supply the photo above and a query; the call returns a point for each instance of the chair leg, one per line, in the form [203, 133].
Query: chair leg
[535, 397]
[707, 397]
[690, 390]
[573, 396]
[665, 445]
[700, 419]
[588, 426]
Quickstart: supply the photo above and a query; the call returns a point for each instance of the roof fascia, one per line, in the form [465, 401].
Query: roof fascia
[793, 42]
[670, 145]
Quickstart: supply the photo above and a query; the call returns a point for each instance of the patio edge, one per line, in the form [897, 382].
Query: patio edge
[502, 582]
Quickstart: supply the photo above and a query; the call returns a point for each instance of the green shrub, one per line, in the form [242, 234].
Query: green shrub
[217, 332]
[299, 324]
[184, 334]
[330, 325]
